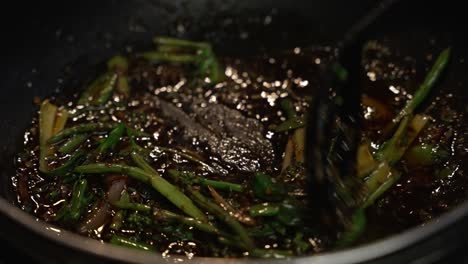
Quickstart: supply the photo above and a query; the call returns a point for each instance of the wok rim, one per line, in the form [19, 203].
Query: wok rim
[363, 253]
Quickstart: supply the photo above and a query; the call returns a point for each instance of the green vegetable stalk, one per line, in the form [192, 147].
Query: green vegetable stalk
[112, 140]
[73, 143]
[365, 161]
[288, 108]
[79, 201]
[60, 120]
[76, 159]
[52, 120]
[424, 89]
[130, 243]
[117, 220]
[167, 216]
[426, 155]
[156, 56]
[141, 163]
[391, 151]
[265, 189]
[293, 121]
[386, 177]
[216, 210]
[80, 129]
[119, 65]
[222, 215]
[264, 209]
[122, 86]
[383, 177]
[290, 124]
[100, 90]
[174, 42]
[132, 206]
[46, 131]
[182, 51]
[191, 178]
[154, 179]
[221, 185]
[394, 149]
[355, 230]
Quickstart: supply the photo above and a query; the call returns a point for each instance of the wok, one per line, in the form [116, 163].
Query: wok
[52, 46]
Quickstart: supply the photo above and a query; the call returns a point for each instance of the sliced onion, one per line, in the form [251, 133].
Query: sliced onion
[101, 213]
[23, 189]
[109, 179]
[115, 190]
[99, 216]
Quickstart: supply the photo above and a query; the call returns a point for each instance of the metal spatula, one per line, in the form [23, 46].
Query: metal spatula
[333, 128]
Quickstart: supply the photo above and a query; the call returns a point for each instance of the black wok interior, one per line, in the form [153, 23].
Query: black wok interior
[70, 43]
[54, 47]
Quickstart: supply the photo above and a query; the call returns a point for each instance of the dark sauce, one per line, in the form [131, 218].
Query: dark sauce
[253, 88]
